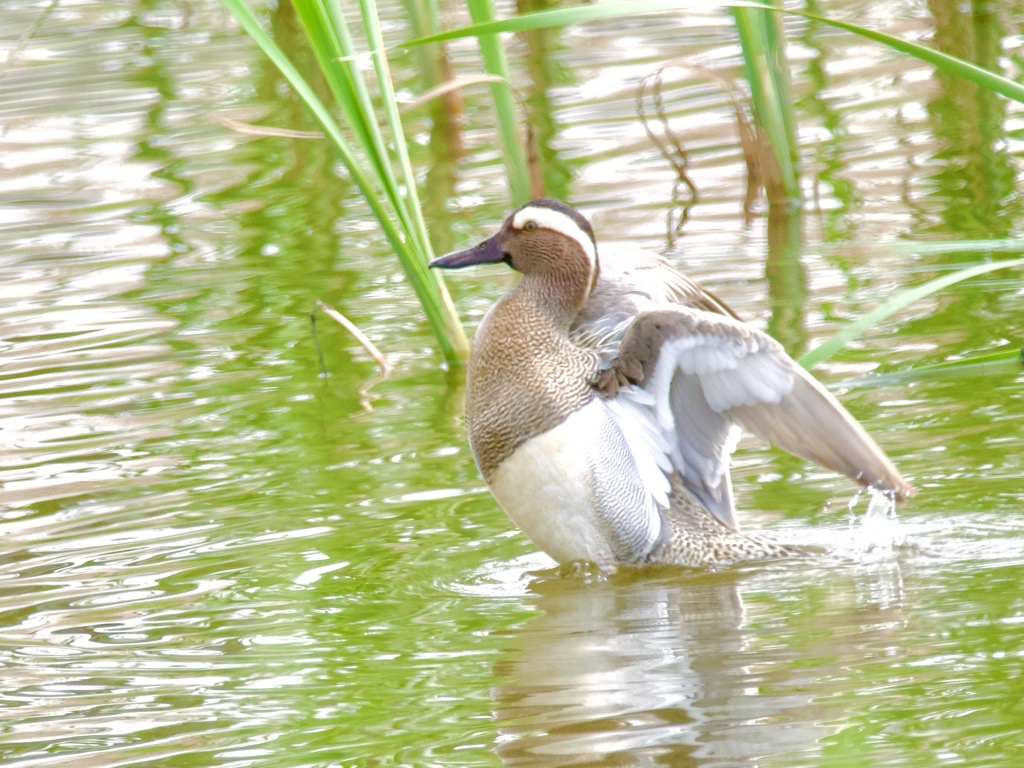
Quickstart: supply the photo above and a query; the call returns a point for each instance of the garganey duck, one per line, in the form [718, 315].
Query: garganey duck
[604, 398]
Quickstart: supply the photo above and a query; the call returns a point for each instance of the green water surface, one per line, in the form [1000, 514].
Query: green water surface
[211, 554]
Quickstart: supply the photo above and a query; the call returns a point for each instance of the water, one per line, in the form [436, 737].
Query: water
[212, 555]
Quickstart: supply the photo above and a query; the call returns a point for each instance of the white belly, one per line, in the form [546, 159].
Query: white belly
[546, 488]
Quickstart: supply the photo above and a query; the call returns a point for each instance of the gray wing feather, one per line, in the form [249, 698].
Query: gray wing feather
[810, 423]
[704, 440]
[709, 373]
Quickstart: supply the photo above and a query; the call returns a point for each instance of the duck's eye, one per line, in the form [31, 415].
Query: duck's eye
[531, 224]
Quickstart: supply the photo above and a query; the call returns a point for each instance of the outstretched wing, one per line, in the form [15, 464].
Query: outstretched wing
[709, 374]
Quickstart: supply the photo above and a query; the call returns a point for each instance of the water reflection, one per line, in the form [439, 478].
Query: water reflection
[976, 178]
[541, 118]
[840, 195]
[689, 670]
[210, 555]
[787, 280]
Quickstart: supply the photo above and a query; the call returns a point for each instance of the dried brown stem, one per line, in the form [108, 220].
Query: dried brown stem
[348, 325]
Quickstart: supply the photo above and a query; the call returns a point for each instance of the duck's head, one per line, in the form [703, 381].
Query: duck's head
[543, 238]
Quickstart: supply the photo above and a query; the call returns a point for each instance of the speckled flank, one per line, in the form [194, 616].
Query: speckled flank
[693, 537]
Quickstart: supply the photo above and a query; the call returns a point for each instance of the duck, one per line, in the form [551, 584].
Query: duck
[606, 394]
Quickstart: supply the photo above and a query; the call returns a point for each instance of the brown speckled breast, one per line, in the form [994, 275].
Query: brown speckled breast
[524, 378]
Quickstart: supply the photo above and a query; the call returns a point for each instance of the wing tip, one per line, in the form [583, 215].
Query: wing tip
[893, 485]
[905, 491]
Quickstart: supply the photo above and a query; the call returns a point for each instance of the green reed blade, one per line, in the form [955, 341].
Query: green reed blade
[427, 284]
[411, 213]
[775, 41]
[978, 75]
[320, 112]
[496, 63]
[768, 75]
[563, 17]
[407, 205]
[328, 30]
[1004, 361]
[901, 301]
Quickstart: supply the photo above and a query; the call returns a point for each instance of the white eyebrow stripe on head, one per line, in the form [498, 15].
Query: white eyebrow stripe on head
[559, 222]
